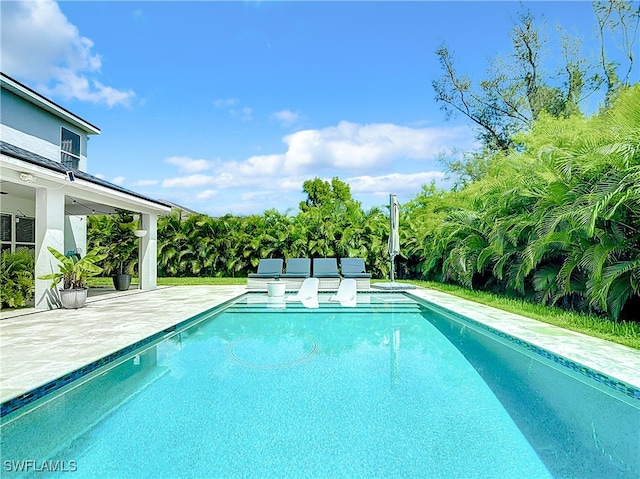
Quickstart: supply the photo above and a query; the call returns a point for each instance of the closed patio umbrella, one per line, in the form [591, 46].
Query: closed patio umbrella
[394, 235]
[393, 247]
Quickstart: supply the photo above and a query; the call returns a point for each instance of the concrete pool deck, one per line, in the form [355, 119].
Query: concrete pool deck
[39, 346]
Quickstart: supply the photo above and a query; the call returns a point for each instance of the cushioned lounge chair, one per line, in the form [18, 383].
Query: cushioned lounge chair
[354, 268]
[297, 270]
[347, 293]
[326, 270]
[268, 270]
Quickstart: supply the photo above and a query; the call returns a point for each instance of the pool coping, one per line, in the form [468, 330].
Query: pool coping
[610, 359]
[605, 357]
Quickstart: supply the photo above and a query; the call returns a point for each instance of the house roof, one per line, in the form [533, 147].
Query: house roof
[34, 159]
[175, 206]
[40, 101]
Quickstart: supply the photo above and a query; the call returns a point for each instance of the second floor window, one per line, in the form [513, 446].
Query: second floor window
[70, 149]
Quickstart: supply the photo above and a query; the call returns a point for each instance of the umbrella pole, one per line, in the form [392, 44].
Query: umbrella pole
[392, 258]
[391, 228]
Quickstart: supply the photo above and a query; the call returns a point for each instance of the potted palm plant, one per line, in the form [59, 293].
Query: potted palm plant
[115, 236]
[121, 251]
[73, 274]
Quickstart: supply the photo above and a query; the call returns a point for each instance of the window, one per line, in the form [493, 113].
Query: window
[5, 227]
[6, 231]
[70, 149]
[25, 230]
[17, 231]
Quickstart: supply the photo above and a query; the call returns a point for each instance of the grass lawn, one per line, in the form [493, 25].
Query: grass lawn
[102, 282]
[625, 333]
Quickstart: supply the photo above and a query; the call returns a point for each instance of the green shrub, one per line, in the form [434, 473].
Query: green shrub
[17, 285]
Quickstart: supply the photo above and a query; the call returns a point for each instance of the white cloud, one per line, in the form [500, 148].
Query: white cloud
[263, 166]
[206, 194]
[144, 183]
[229, 104]
[365, 148]
[292, 183]
[118, 180]
[245, 113]
[36, 37]
[394, 182]
[191, 181]
[369, 151]
[252, 172]
[286, 118]
[188, 165]
[346, 148]
[225, 102]
[39, 44]
[72, 85]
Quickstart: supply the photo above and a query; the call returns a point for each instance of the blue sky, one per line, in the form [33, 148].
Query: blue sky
[228, 107]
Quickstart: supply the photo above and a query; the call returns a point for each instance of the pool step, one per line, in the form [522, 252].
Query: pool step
[324, 307]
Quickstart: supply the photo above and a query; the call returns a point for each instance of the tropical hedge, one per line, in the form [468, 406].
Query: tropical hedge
[17, 284]
[328, 224]
[555, 220]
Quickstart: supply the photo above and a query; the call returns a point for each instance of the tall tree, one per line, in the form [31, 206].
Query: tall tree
[510, 97]
[327, 195]
[617, 21]
[557, 220]
[517, 90]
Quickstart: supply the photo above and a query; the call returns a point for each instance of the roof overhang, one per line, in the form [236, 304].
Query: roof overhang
[83, 196]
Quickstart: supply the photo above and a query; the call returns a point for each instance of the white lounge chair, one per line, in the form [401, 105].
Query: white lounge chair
[308, 291]
[311, 303]
[347, 293]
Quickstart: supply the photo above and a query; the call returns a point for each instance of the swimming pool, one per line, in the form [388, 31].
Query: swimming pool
[393, 388]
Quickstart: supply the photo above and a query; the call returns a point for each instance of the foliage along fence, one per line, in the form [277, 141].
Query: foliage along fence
[17, 284]
[232, 246]
[556, 220]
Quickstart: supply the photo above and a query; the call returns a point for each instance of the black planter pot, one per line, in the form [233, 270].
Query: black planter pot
[121, 281]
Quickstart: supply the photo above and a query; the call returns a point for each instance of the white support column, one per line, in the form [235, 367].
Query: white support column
[148, 255]
[75, 234]
[49, 232]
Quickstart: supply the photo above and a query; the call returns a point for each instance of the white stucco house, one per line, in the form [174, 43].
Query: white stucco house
[46, 192]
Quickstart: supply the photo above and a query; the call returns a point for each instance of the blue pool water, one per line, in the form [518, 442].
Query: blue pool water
[391, 388]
